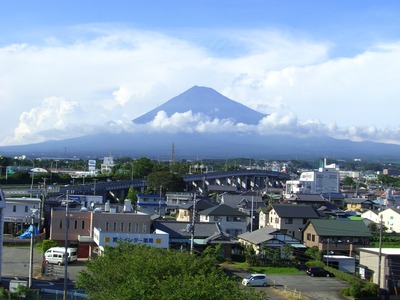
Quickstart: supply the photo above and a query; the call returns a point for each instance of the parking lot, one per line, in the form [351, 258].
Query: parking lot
[321, 288]
[16, 264]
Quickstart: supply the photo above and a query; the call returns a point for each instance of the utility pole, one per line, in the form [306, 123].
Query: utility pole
[67, 201]
[94, 186]
[380, 258]
[32, 226]
[41, 213]
[251, 215]
[192, 225]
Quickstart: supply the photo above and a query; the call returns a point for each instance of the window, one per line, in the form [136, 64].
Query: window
[76, 224]
[129, 227]
[136, 227]
[144, 228]
[26, 208]
[313, 238]
[83, 224]
[288, 220]
[106, 226]
[14, 208]
[60, 224]
[115, 226]
[308, 236]
[233, 219]
[122, 227]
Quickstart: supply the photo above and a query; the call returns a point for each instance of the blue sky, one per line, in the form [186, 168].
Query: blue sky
[71, 68]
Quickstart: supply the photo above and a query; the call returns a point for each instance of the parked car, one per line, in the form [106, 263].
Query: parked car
[318, 271]
[255, 280]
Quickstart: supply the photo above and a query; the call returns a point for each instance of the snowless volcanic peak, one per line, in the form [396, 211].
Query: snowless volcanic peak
[206, 101]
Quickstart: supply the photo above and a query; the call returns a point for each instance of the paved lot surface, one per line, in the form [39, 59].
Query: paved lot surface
[318, 288]
[16, 264]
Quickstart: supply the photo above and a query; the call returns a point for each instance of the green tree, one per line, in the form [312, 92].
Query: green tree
[166, 180]
[142, 167]
[139, 272]
[132, 195]
[47, 244]
[314, 253]
[348, 181]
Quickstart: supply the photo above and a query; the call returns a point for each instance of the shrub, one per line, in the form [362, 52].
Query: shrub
[315, 263]
[47, 244]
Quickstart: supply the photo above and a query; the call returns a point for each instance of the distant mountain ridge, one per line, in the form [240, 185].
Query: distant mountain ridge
[206, 101]
[194, 145]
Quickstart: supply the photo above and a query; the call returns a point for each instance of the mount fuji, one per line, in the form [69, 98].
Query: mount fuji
[212, 110]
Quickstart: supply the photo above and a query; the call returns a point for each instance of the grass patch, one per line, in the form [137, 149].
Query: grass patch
[266, 270]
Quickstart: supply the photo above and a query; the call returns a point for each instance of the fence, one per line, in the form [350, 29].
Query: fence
[291, 294]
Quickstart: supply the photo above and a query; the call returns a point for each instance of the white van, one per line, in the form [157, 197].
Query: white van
[56, 255]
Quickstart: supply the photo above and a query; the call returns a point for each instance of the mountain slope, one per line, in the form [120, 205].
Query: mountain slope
[208, 102]
[206, 145]
[194, 145]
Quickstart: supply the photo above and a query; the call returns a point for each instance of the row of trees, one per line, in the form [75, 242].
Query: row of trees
[163, 173]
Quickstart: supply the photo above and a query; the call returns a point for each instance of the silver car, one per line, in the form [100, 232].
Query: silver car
[255, 280]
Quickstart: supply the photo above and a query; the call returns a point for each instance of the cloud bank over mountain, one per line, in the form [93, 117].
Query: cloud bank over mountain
[96, 79]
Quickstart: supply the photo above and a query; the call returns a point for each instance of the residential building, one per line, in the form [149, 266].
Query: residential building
[359, 204]
[314, 200]
[372, 215]
[335, 198]
[151, 204]
[389, 260]
[391, 219]
[107, 165]
[330, 211]
[269, 237]
[82, 223]
[231, 220]
[176, 200]
[325, 180]
[185, 211]
[290, 218]
[339, 236]
[17, 211]
[263, 215]
[248, 202]
[181, 235]
[2, 206]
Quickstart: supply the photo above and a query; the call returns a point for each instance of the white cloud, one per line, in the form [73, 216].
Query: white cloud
[59, 90]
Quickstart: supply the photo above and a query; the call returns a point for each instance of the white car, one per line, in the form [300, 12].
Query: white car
[255, 280]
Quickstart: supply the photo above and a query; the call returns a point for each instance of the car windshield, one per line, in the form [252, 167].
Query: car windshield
[249, 277]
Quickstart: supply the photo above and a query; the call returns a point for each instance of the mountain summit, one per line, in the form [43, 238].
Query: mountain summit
[208, 102]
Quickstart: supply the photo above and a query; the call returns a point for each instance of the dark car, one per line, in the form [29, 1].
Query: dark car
[318, 271]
